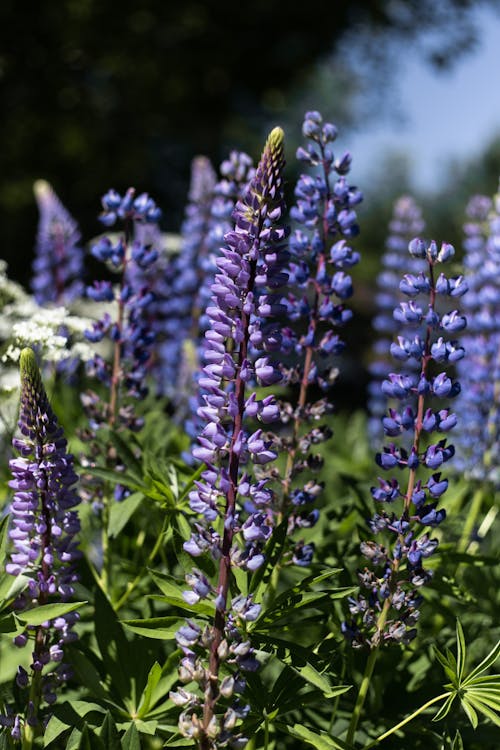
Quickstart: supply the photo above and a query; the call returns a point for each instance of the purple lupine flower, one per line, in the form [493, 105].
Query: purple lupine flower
[315, 307]
[44, 526]
[479, 438]
[406, 222]
[184, 275]
[58, 264]
[130, 256]
[250, 269]
[388, 611]
[236, 172]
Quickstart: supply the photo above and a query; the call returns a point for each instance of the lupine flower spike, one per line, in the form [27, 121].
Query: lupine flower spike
[236, 173]
[44, 525]
[58, 265]
[478, 446]
[185, 275]
[387, 610]
[130, 330]
[234, 506]
[320, 285]
[406, 222]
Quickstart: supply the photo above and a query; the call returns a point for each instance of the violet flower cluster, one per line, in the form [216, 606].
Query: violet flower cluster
[236, 173]
[184, 277]
[190, 277]
[478, 445]
[387, 608]
[320, 285]
[406, 222]
[44, 526]
[58, 267]
[130, 331]
[236, 517]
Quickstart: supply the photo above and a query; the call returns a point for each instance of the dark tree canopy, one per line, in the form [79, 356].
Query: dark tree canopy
[97, 94]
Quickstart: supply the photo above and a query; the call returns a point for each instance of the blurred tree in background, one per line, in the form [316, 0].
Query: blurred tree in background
[97, 93]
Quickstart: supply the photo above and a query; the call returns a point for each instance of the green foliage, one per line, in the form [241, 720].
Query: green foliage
[126, 659]
[475, 691]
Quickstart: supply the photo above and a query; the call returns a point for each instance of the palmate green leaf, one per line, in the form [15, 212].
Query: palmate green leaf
[109, 733]
[177, 741]
[10, 587]
[131, 740]
[168, 679]
[488, 697]
[469, 710]
[297, 652]
[147, 727]
[486, 663]
[461, 651]
[489, 693]
[445, 708]
[70, 715]
[484, 708]
[122, 512]
[112, 645]
[313, 677]
[319, 740]
[457, 743]
[54, 729]
[160, 628]
[162, 476]
[474, 692]
[37, 615]
[10, 626]
[90, 741]
[443, 660]
[86, 672]
[285, 607]
[202, 608]
[189, 482]
[154, 677]
[284, 692]
[487, 685]
[74, 740]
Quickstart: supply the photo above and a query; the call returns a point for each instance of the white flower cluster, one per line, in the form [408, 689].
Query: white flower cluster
[54, 333]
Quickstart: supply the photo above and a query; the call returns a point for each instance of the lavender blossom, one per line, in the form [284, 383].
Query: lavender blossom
[389, 610]
[479, 437]
[406, 223]
[245, 300]
[58, 266]
[44, 525]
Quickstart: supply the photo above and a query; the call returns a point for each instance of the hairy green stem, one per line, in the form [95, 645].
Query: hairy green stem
[336, 701]
[363, 691]
[406, 721]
